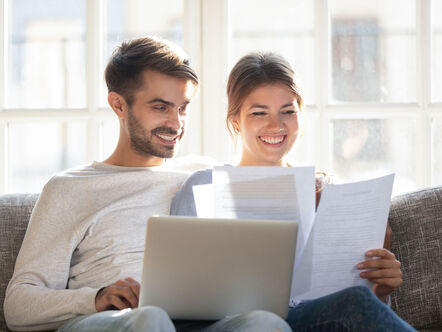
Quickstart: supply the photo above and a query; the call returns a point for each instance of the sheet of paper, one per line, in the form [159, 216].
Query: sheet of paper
[203, 195]
[268, 198]
[304, 186]
[351, 219]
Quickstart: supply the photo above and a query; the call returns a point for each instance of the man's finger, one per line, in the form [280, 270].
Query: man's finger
[116, 302]
[126, 293]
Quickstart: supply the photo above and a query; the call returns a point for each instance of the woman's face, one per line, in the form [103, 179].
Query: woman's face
[268, 125]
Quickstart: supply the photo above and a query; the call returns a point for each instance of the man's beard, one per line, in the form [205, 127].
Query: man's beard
[141, 139]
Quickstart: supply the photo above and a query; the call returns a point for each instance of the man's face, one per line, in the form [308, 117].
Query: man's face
[157, 117]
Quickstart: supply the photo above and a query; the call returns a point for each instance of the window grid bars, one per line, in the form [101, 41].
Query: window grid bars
[94, 115]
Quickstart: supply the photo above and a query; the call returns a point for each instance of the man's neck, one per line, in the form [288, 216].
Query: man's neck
[133, 160]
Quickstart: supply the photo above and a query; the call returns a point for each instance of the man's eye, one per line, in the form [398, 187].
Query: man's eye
[289, 112]
[183, 109]
[160, 107]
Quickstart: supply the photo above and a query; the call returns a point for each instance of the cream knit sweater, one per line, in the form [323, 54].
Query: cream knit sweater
[86, 231]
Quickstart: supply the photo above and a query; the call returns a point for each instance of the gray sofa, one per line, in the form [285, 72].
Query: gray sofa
[415, 218]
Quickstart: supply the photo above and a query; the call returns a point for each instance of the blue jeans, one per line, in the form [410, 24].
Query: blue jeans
[352, 309]
[156, 320]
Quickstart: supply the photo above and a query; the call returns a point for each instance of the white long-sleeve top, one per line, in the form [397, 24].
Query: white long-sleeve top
[87, 230]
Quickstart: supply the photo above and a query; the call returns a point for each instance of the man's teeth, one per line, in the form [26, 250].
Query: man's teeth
[166, 138]
[272, 140]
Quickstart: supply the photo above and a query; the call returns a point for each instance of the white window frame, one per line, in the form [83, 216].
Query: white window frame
[206, 39]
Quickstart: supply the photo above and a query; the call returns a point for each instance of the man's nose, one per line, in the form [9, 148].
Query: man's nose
[175, 120]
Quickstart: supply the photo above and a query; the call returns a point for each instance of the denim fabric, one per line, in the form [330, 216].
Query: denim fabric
[154, 319]
[352, 309]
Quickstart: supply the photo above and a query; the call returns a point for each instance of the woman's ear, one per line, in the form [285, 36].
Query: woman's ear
[235, 124]
[118, 104]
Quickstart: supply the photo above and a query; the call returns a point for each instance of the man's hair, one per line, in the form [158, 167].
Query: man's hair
[253, 71]
[124, 70]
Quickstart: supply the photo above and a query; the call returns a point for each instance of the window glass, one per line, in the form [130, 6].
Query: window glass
[364, 149]
[437, 150]
[303, 151]
[111, 131]
[281, 26]
[129, 19]
[39, 150]
[373, 51]
[436, 72]
[46, 54]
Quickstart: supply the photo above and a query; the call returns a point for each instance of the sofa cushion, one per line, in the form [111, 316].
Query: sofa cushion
[15, 211]
[416, 222]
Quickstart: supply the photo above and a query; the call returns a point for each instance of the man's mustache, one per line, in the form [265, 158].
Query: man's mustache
[167, 130]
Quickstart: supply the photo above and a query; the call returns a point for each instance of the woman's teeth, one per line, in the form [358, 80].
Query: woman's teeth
[272, 140]
[166, 138]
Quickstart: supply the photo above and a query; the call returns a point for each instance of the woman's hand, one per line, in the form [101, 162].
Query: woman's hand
[384, 270]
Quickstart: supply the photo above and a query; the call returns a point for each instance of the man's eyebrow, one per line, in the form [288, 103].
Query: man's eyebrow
[159, 100]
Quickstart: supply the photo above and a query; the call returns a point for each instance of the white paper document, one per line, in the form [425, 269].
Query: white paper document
[261, 193]
[304, 182]
[351, 219]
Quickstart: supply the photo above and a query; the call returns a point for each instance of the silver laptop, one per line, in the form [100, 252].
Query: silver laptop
[197, 268]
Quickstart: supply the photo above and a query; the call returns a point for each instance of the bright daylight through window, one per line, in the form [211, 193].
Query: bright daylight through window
[372, 85]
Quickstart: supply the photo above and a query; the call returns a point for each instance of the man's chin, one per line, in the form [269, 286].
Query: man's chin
[166, 152]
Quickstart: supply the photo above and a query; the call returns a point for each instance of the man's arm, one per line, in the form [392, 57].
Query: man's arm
[36, 297]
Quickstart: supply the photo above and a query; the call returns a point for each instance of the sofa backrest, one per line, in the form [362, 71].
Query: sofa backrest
[15, 211]
[416, 221]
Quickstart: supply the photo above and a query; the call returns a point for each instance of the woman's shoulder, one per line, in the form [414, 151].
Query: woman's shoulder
[203, 176]
[183, 204]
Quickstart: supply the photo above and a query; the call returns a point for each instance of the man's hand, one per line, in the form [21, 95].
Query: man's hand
[384, 271]
[120, 295]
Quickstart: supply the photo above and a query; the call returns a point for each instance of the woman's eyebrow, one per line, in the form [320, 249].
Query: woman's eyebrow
[258, 106]
[287, 105]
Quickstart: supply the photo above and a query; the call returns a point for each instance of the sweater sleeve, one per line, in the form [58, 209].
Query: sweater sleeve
[36, 297]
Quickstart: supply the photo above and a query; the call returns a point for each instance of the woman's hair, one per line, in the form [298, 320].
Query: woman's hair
[124, 70]
[254, 70]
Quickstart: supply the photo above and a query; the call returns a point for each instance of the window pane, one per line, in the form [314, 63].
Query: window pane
[111, 131]
[437, 150]
[373, 51]
[281, 26]
[39, 150]
[436, 86]
[46, 54]
[128, 19]
[303, 151]
[365, 149]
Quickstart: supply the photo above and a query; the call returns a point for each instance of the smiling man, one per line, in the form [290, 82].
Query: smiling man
[80, 263]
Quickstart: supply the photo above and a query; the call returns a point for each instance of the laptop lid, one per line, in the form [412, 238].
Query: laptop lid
[196, 268]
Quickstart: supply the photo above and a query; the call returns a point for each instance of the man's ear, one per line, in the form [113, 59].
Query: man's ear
[118, 104]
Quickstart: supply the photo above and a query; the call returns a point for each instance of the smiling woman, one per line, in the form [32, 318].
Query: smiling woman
[264, 102]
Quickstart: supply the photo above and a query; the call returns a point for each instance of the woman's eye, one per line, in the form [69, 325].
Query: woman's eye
[259, 113]
[289, 112]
